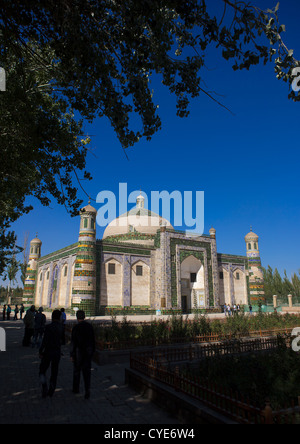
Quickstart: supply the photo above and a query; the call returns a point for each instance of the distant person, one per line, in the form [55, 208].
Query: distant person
[39, 327]
[225, 309]
[8, 312]
[82, 350]
[22, 309]
[4, 312]
[50, 353]
[29, 326]
[250, 309]
[16, 310]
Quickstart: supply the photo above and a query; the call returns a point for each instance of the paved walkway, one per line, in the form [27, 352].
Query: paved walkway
[111, 402]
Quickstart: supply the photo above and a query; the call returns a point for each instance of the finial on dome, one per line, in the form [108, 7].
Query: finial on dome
[140, 200]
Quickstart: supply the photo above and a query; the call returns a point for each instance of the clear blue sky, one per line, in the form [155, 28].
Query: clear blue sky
[247, 163]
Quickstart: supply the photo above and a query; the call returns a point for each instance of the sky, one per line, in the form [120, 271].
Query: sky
[246, 161]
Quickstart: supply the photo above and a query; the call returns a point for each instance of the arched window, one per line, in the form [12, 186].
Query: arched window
[66, 270]
[255, 246]
[139, 270]
[111, 268]
[85, 223]
[249, 246]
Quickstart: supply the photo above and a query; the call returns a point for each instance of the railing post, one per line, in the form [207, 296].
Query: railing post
[268, 413]
[177, 379]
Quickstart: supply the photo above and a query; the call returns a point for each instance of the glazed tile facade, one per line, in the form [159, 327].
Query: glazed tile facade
[165, 270]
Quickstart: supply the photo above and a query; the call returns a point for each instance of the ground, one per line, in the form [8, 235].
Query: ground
[111, 402]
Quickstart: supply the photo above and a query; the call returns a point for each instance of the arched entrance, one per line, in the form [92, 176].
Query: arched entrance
[192, 284]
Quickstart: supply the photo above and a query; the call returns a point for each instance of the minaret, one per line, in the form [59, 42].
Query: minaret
[30, 278]
[214, 264]
[256, 277]
[84, 279]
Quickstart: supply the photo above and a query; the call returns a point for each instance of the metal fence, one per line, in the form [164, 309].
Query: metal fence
[161, 365]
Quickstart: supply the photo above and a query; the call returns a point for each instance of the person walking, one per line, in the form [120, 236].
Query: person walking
[16, 310]
[50, 353]
[229, 310]
[4, 312]
[22, 309]
[82, 350]
[29, 326]
[250, 309]
[39, 327]
[8, 312]
[63, 323]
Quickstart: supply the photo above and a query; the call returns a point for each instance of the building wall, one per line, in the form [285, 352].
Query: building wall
[167, 266]
[111, 284]
[233, 286]
[51, 291]
[140, 285]
[124, 287]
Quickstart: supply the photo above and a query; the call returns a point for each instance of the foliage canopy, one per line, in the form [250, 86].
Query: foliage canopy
[73, 60]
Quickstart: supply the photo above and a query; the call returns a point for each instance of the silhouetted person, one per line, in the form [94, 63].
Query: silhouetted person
[63, 323]
[50, 352]
[4, 312]
[16, 312]
[22, 309]
[29, 326]
[82, 350]
[39, 327]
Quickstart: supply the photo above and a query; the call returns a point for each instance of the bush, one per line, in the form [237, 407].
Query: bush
[274, 375]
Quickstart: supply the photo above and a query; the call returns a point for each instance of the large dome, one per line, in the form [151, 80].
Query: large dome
[137, 220]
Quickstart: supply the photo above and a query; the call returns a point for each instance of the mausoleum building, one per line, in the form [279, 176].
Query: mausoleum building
[141, 265]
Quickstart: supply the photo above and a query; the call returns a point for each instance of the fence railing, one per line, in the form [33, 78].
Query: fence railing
[162, 365]
[196, 339]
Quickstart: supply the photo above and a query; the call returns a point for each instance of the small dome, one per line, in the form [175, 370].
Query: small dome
[36, 240]
[88, 208]
[251, 236]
